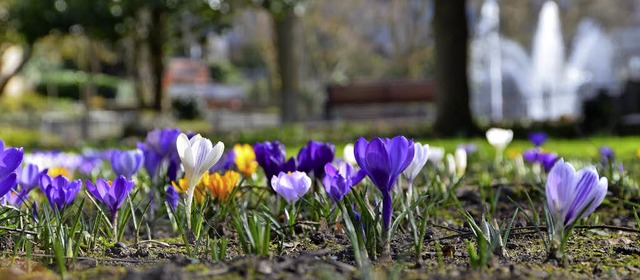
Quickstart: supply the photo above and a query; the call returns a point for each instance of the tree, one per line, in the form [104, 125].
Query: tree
[451, 44]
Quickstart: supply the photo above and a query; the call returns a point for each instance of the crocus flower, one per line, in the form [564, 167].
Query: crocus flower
[349, 157]
[537, 138]
[7, 184]
[570, 193]
[468, 148]
[172, 197]
[451, 165]
[245, 159]
[338, 181]
[220, 186]
[536, 155]
[383, 160]
[182, 186]
[272, 158]
[15, 198]
[159, 145]
[197, 155]
[29, 176]
[59, 191]
[460, 157]
[10, 159]
[227, 162]
[499, 138]
[291, 186]
[436, 154]
[606, 154]
[111, 194]
[421, 155]
[126, 163]
[314, 156]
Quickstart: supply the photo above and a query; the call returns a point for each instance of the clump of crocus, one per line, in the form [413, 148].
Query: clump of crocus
[338, 181]
[59, 190]
[245, 159]
[197, 155]
[272, 158]
[499, 138]
[570, 196]
[220, 186]
[112, 195]
[126, 163]
[226, 162]
[421, 155]
[314, 156]
[291, 186]
[538, 138]
[383, 160]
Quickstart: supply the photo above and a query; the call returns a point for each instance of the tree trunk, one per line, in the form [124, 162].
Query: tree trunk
[451, 39]
[288, 61]
[26, 55]
[156, 40]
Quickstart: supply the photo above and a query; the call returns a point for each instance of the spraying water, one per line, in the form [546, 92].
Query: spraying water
[543, 86]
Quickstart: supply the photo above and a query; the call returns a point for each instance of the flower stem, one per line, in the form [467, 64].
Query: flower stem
[188, 202]
[387, 209]
[114, 223]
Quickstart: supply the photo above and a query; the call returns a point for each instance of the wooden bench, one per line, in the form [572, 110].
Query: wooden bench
[362, 94]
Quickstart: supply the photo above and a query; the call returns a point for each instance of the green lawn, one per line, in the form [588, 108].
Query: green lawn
[625, 148]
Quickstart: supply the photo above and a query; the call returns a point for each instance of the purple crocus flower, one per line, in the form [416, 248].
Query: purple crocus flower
[59, 191]
[291, 186]
[15, 198]
[226, 162]
[159, 145]
[383, 160]
[314, 156]
[573, 195]
[7, 184]
[536, 155]
[172, 197]
[537, 138]
[10, 159]
[90, 160]
[469, 148]
[126, 163]
[338, 182]
[111, 194]
[29, 176]
[272, 157]
[606, 155]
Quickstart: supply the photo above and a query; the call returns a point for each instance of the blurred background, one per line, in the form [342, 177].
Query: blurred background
[76, 71]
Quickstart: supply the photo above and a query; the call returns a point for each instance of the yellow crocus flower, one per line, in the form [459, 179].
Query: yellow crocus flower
[56, 171]
[245, 159]
[199, 194]
[220, 186]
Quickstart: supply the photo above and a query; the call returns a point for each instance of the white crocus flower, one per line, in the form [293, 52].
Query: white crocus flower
[451, 165]
[436, 154]
[499, 138]
[349, 155]
[197, 156]
[420, 157]
[460, 157]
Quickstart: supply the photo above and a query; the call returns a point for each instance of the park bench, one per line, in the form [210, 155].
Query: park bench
[408, 96]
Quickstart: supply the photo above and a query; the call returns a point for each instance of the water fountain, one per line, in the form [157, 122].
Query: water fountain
[509, 84]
